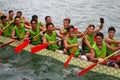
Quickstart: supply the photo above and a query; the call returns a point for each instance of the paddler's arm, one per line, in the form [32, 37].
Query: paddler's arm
[67, 46]
[56, 28]
[108, 40]
[63, 32]
[91, 56]
[44, 39]
[60, 36]
[42, 27]
[87, 42]
[26, 37]
[13, 34]
[112, 48]
[79, 34]
[100, 27]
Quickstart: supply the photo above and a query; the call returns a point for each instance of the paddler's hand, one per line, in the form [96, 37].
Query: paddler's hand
[51, 42]
[100, 60]
[101, 20]
[14, 37]
[77, 45]
[25, 39]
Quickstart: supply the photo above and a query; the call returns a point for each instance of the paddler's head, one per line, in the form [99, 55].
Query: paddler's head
[17, 21]
[99, 38]
[66, 22]
[35, 17]
[3, 19]
[91, 29]
[19, 13]
[11, 13]
[70, 30]
[34, 24]
[111, 32]
[48, 19]
[50, 27]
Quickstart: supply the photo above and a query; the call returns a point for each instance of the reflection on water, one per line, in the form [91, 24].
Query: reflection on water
[25, 66]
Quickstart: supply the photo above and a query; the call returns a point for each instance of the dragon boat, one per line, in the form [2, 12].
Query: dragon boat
[62, 58]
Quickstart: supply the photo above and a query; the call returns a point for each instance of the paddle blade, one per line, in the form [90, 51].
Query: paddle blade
[87, 69]
[38, 48]
[3, 45]
[94, 39]
[27, 23]
[68, 60]
[21, 46]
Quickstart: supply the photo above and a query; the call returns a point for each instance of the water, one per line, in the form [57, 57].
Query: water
[81, 12]
[26, 66]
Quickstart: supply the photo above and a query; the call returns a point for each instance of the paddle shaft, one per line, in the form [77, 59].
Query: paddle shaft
[38, 34]
[3, 45]
[8, 25]
[55, 41]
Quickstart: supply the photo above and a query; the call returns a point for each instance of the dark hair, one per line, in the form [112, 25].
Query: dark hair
[100, 34]
[70, 27]
[91, 25]
[111, 29]
[3, 17]
[47, 17]
[10, 11]
[49, 25]
[17, 17]
[19, 12]
[67, 19]
[32, 21]
[34, 17]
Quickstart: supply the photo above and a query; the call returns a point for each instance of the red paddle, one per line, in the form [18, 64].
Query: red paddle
[95, 64]
[71, 55]
[21, 46]
[74, 50]
[38, 48]
[42, 46]
[24, 44]
[87, 69]
[3, 45]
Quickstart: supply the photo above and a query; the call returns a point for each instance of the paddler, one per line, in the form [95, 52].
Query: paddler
[39, 24]
[18, 32]
[33, 33]
[111, 40]
[90, 35]
[5, 27]
[72, 42]
[51, 36]
[99, 50]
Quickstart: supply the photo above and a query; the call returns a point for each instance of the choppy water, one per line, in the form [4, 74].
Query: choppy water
[35, 67]
[81, 12]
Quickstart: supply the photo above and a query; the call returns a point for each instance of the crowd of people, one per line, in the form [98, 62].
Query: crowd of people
[93, 46]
